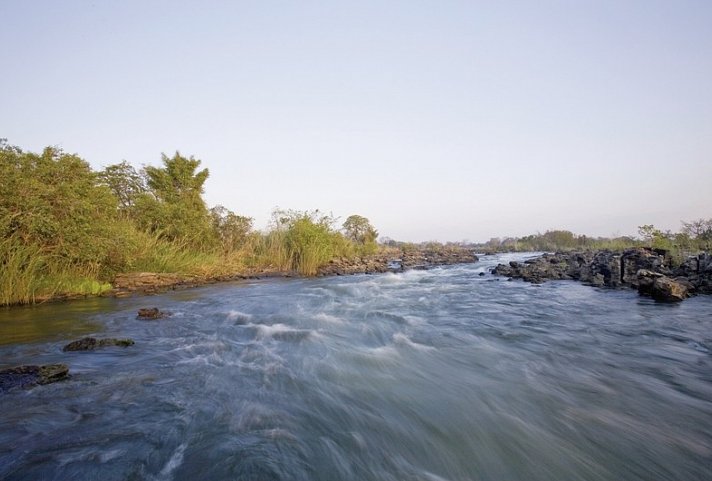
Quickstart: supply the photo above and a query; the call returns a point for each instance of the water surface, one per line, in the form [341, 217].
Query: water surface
[426, 375]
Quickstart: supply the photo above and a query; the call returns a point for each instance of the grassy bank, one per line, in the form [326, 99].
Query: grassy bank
[67, 230]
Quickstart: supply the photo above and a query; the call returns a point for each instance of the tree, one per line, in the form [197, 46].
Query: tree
[125, 182]
[697, 228]
[232, 229]
[360, 230]
[655, 237]
[178, 181]
[52, 200]
[173, 206]
[700, 231]
[559, 239]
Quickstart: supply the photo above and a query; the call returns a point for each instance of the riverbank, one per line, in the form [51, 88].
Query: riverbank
[653, 272]
[149, 283]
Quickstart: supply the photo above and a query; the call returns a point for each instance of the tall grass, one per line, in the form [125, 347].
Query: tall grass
[302, 246]
[30, 275]
[22, 271]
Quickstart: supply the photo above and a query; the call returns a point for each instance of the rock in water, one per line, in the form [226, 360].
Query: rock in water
[151, 313]
[28, 376]
[91, 343]
[665, 289]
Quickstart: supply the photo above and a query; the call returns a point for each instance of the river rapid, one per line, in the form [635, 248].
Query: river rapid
[424, 375]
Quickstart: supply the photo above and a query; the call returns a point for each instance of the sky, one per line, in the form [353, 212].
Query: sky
[437, 120]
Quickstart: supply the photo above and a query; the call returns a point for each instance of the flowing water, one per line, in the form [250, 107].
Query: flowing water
[425, 375]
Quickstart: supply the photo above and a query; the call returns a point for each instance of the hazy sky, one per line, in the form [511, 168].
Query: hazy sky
[438, 120]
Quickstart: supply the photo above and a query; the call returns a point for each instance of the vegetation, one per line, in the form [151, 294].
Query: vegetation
[359, 230]
[694, 237]
[68, 230]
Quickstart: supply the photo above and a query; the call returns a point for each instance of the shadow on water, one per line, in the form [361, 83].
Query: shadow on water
[46, 322]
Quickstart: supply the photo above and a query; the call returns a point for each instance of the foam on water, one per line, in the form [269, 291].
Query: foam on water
[401, 339]
[423, 375]
[242, 317]
[173, 463]
[328, 318]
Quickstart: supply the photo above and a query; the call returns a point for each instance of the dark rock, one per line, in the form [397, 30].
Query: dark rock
[645, 280]
[91, 343]
[151, 313]
[640, 268]
[28, 376]
[602, 268]
[415, 259]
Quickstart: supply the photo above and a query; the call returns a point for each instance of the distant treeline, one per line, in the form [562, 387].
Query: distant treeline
[693, 237]
[67, 229]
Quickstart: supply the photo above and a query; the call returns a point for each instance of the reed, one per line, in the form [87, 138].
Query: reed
[22, 271]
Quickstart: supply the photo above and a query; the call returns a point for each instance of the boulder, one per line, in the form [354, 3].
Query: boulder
[151, 313]
[91, 343]
[28, 376]
[645, 279]
[665, 289]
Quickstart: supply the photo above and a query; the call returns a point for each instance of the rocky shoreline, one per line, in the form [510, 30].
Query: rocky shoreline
[377, 264]
[142, 283]
[652, 272]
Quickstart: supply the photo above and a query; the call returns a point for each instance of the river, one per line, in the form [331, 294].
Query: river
[430, 375]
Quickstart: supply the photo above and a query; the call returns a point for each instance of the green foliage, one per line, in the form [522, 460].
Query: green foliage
[124, 182]
[359, 230]
[52, 200]
[23, 268]
[178, 181]
[556, 240]
[65, 229]
[232, 229]
[309, 239]
[174, 208]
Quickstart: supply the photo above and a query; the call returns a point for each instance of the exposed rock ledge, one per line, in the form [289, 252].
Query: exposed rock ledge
[650, 271]
[421, 259]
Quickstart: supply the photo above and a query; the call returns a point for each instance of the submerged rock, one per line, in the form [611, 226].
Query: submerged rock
[151, 313]
[91, 343]
[28, 376]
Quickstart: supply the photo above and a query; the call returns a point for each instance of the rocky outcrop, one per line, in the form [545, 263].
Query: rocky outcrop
[91, 343]
[28, 376]
[650, 271]
[669, 290]
[416, 259]
[151, 313]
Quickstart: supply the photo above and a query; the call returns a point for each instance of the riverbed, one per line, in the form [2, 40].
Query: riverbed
[443, 374]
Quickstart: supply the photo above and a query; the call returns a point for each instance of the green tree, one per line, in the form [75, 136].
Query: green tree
[178, 181]
[559, 240]
[53, 200]
[174, 206]
[125, 183]
[656, 238]
[232, 229]
[359, 230]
